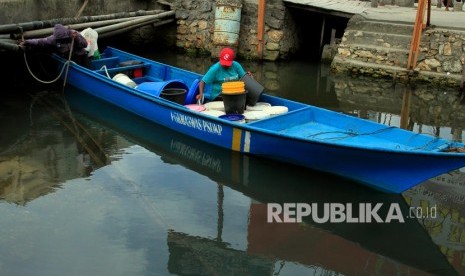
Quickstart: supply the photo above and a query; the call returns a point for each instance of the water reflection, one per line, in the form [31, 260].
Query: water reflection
[420, 108]
[45, 146]
[385, 248]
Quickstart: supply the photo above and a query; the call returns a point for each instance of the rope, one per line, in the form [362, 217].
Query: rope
[66, 64]
[104, 67]
[348, 134]
[42, 81]
[351, 133]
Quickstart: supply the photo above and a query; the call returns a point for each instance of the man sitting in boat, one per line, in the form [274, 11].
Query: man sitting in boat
[226, 69]
[61, 42]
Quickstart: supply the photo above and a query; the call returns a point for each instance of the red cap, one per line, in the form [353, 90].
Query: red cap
[226, 56]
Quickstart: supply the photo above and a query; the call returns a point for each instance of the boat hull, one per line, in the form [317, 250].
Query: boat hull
[388, 170]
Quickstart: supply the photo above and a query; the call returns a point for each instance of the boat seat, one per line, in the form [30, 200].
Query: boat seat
[123, 68]
[109, 62]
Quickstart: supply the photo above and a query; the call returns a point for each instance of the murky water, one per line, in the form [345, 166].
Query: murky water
[88, 189]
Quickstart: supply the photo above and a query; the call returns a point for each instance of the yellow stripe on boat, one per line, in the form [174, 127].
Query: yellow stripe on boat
[236, 139]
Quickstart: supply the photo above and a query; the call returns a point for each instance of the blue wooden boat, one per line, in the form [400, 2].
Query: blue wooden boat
[385, 158]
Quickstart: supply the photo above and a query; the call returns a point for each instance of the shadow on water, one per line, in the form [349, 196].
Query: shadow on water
[387, 247]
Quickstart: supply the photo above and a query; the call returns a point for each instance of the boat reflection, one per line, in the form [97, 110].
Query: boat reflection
[348, 248]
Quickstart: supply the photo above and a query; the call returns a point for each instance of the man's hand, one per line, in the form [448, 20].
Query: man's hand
[22, 45]
[199, 98]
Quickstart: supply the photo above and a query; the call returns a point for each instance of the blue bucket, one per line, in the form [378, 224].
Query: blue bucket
[155, 88]
[238, 118]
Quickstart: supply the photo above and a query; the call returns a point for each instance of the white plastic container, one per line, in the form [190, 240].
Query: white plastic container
[216, 105]
[214, 113]
[276, 110]
[123, 79]
[259, 106]
[251, 116]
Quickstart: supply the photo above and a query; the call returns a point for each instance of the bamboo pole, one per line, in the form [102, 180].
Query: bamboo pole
[106, 31]
[132, 27]
[48, 31]
[9, 46]
[27, 26]
[143, 21]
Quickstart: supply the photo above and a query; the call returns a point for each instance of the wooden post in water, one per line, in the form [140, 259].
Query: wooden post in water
[405, 111]
[322, 33]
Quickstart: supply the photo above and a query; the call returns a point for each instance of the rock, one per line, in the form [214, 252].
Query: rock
[272, 46]
[434, 63]
[447, 49]
[275, 35]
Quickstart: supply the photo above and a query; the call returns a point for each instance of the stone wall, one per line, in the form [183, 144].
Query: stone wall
[381, 49]
[196, 21]
[442, 52]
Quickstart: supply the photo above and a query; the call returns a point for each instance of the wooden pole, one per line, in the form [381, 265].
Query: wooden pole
[260, 27]
[417, 29]
[428, 15]
[82, 9]
[322, 33]
[405, 111]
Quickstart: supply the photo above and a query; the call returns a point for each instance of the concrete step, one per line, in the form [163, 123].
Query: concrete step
[381, 27]
[390, 40]
[364, 67]
[379, 49]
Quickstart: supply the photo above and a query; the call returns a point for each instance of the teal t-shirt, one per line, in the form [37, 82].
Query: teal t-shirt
[217, 74]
